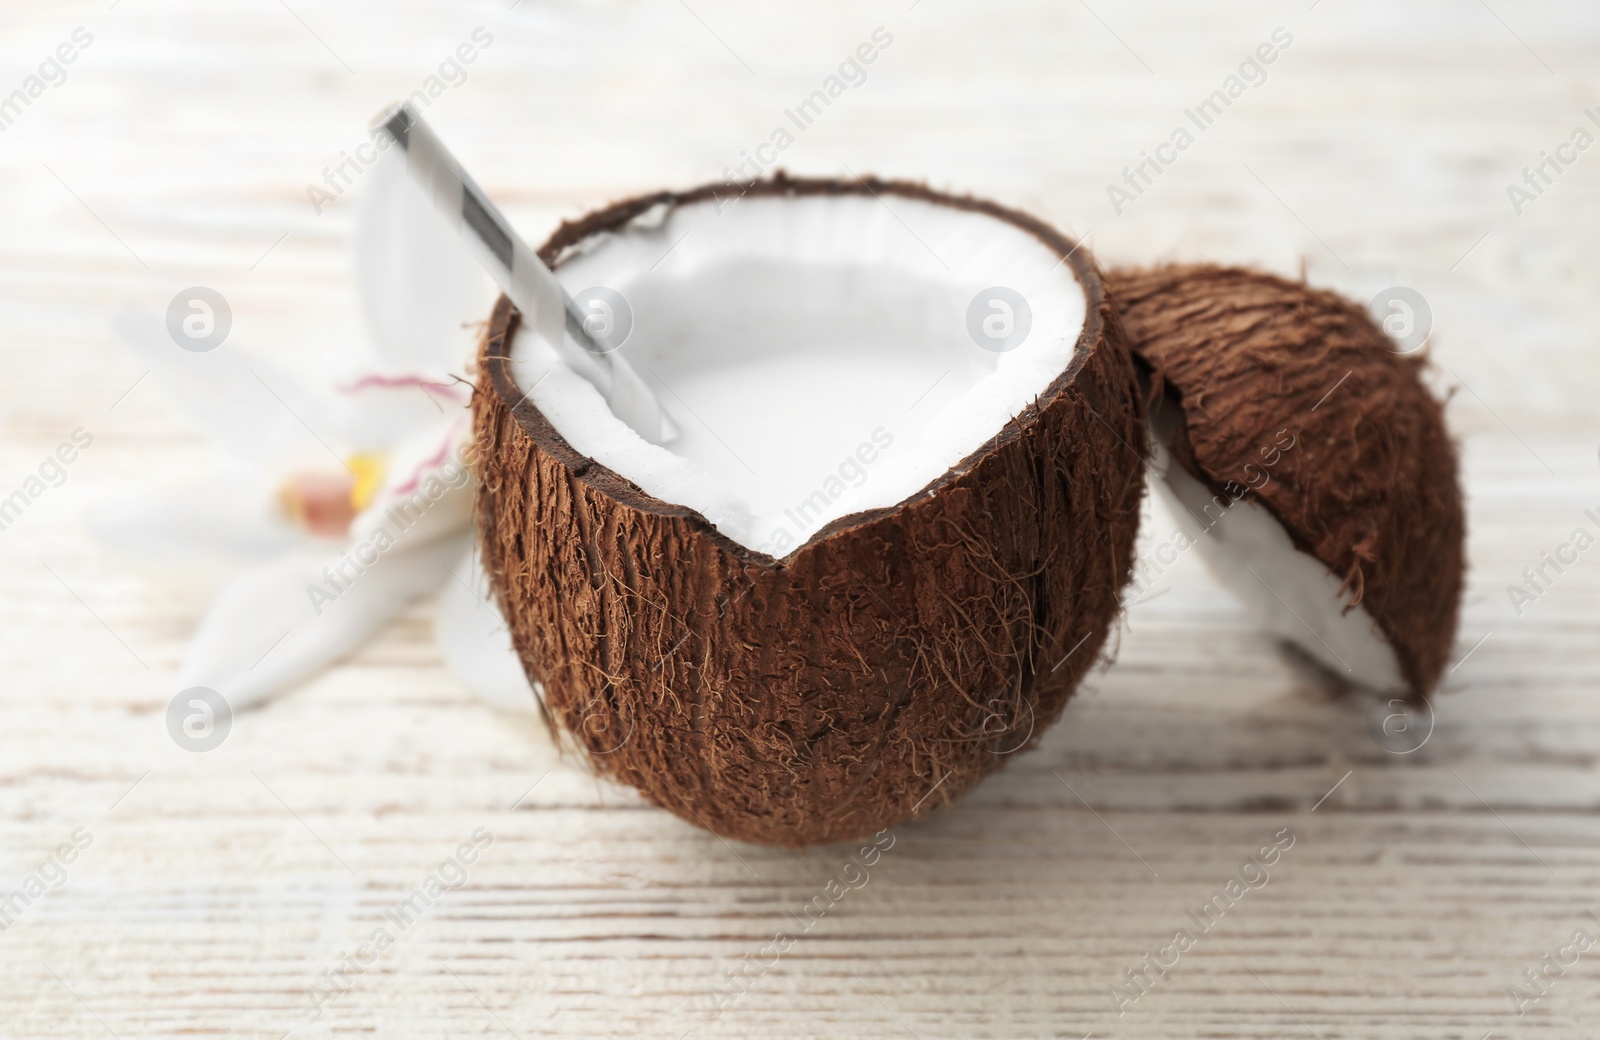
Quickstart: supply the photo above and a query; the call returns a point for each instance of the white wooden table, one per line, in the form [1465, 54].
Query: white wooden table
[219, 887]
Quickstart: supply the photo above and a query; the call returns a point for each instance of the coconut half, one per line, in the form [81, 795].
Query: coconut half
[878, 558]
[1309, 462]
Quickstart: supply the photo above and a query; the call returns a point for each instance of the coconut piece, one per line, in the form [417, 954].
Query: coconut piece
[922, 622]
[1310, 461]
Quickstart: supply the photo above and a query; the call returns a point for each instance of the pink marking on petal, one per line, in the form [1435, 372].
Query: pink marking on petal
[432, 461]
[400, 382]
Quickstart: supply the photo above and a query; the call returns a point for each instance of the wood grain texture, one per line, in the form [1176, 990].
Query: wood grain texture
[219, 887]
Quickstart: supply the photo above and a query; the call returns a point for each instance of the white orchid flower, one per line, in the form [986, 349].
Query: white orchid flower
[349, 502]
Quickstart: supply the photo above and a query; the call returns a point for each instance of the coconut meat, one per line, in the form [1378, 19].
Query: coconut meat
[1290, 592]
[813, 351]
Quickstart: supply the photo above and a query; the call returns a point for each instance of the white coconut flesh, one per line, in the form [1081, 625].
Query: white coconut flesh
[813, 352]
[1290, 592]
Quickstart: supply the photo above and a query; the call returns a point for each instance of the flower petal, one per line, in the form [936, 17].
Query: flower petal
[258, 410]
[423, 293]
[282, 622]
[427, 489]
[476, 643]
[378, 408]
[231, 513]
[266, 416]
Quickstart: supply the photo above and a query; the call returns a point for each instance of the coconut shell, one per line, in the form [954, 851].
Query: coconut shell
[879, 670]
[1370, 488]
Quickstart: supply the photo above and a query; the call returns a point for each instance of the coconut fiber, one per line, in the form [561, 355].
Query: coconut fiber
[1370, 487]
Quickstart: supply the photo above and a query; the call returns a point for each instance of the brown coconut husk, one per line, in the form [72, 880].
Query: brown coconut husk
[879, 670]
[1370, 488]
